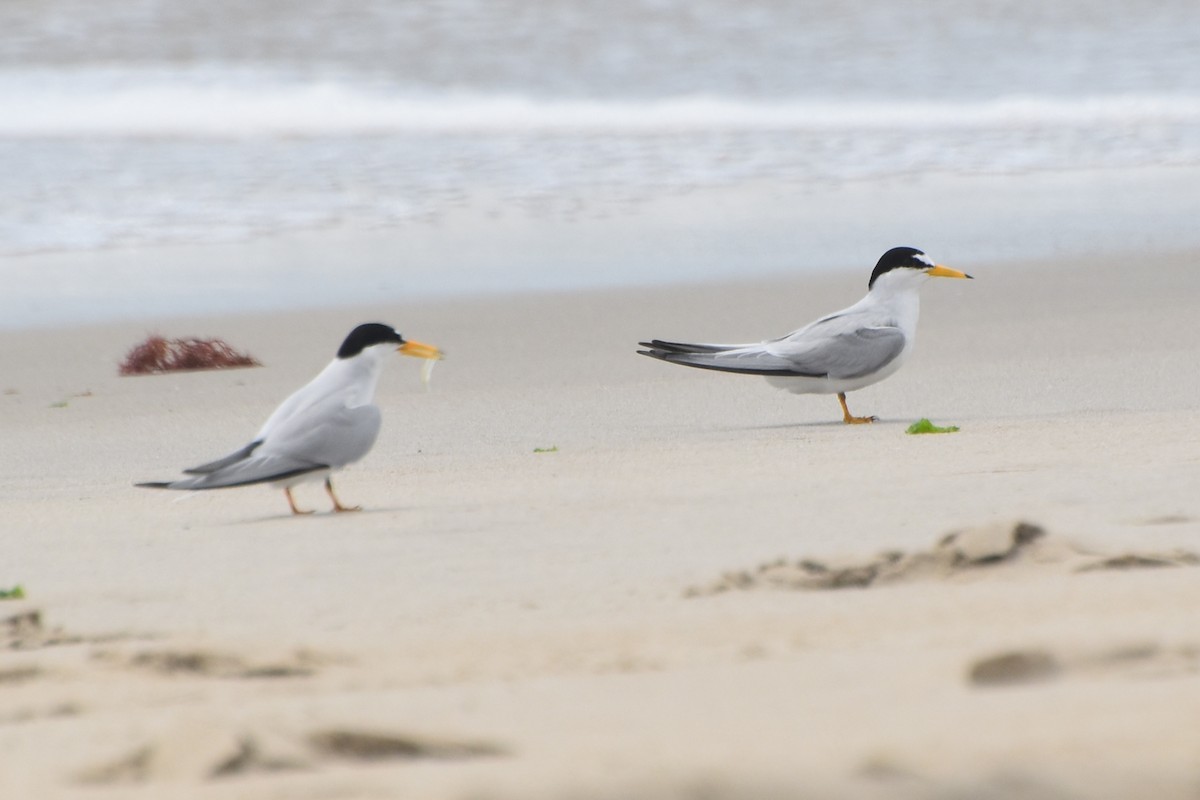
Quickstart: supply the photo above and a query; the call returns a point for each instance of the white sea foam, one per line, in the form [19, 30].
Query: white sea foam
[129, 104]
[124, 125]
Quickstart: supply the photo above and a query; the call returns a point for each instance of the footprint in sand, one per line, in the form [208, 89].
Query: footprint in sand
[1139, 660]
[961, 554]
[16, 676]
[888, 776]
[21, 674]
[26, 630]
[212, 664]
[367, 746]
[208, 750]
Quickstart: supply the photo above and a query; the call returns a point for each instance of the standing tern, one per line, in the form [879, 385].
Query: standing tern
[325, 425]
[839, 353]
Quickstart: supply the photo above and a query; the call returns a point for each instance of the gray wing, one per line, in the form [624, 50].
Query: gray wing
[750, 359]
[844, 355]
[306, 444]
[819, 351]
[334, 438]
[224, 461]
[256, 469]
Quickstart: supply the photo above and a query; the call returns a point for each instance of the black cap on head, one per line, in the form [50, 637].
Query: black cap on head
[898, 258]
[368, 334]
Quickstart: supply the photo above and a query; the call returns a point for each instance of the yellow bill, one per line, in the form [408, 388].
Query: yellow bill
[420, 350]
[945, 272]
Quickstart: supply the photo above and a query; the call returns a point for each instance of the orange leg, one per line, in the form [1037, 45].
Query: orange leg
[337, 506]
[292, 502]
[849, 418]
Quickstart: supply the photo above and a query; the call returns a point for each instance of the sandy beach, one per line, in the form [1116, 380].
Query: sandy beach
[579, 573]
[647, 609]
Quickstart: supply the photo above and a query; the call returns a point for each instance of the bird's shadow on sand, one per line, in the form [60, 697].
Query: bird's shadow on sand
[318, 515]
[789, 426]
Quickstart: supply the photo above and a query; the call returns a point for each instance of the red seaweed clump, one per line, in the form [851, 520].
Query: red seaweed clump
[158, 354]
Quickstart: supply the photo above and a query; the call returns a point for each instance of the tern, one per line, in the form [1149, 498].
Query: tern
[838, 353]
[323, 426]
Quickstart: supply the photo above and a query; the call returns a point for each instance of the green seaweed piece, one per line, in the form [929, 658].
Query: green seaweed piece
[925, 426]
[15, 593]
[546, 449]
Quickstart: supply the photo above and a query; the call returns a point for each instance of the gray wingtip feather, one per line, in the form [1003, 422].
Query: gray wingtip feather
[224, 461]
[660, 346]
[713, 362]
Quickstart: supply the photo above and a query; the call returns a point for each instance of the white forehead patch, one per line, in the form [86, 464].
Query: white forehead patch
[924, 259]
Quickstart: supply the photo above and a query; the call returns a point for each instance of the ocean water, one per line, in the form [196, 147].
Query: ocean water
[134, 123]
